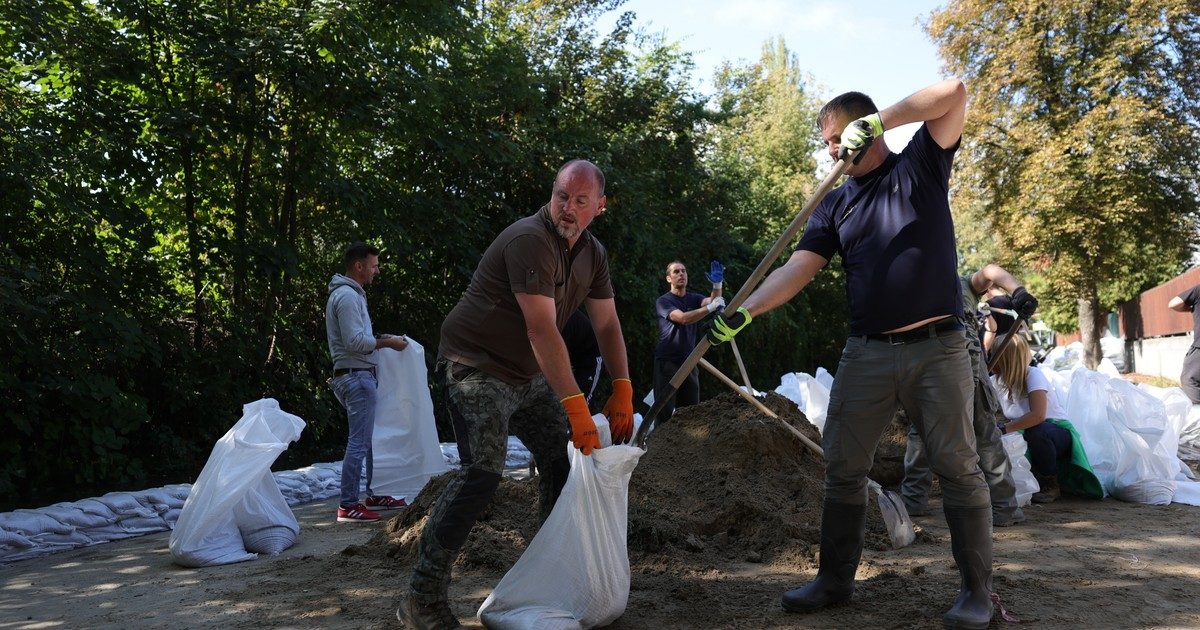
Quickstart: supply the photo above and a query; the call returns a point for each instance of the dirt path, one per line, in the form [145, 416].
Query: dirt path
[707, 555]
[1076, 564]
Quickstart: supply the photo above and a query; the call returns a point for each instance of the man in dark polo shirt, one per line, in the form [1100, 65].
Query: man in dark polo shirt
[1189, 378]
[890, 222]
[505, 369]
[678, 313]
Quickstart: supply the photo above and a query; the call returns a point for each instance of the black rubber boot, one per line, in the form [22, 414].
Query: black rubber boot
[842, 529]
[971, 542]
[1049, 489]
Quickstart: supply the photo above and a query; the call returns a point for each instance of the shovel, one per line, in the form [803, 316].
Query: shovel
[748, 287]
[891, 506]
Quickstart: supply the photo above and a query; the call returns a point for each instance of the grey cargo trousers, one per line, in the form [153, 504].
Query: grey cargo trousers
[931, 378]
[993, 460]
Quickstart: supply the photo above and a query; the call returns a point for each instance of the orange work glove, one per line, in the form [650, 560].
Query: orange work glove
[583, 429]
[619, 411]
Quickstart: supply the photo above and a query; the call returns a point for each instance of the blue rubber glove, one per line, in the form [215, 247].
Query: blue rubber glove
[858, 135]
[716, 272]
[726, 325]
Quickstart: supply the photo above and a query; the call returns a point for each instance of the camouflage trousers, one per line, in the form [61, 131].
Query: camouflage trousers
[484, 410]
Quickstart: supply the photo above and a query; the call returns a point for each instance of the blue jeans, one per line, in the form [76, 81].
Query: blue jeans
[356, 392]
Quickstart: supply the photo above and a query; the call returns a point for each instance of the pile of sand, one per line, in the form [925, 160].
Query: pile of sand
[719, 477]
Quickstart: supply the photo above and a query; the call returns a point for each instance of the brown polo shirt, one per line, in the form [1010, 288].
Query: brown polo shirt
[486, 329]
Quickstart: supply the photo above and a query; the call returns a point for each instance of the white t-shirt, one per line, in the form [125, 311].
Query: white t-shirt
[1034, 380]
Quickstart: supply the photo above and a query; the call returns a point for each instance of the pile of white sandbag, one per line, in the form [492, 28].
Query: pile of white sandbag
[1133, 435]
[116, 515]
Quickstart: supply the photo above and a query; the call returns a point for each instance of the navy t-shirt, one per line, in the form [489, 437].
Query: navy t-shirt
[893, 230]
[1191, 297]
[675, 341]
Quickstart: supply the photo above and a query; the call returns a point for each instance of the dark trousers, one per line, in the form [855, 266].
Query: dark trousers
[689, 390]
[1048, 443]
[993, 460]
[932, 380]
[1189, 379]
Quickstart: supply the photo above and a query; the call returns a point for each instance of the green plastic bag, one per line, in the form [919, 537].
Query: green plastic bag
[1076, 475]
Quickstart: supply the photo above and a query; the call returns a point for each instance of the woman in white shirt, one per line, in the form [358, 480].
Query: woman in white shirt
[1025, 397]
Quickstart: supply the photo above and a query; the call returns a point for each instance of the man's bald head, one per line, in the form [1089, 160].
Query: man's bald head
[583, 166]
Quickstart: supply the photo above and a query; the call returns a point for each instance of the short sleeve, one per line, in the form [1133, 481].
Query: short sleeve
[927, 153]
[531, 266]
[663, 307]
[1191, 296]
[601, 287]
[820, 235]
[1035, 381]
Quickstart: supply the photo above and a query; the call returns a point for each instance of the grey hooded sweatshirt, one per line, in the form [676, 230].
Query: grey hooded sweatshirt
[348, 326]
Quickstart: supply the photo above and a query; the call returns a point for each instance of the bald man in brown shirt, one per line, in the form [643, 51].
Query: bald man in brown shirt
[505, 367]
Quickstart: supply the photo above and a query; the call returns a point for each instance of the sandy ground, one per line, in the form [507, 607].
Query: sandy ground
[1074, 564]
[702, 555]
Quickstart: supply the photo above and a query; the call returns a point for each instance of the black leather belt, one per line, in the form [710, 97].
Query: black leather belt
[921, 333]
[344, 371]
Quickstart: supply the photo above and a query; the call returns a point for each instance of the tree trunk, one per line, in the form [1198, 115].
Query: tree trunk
[1091, 327]
[193, 234]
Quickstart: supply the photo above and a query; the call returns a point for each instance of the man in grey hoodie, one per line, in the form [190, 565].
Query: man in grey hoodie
[352, 345]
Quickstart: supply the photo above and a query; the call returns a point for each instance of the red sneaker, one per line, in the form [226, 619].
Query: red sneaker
[385, 502]
[356, 513]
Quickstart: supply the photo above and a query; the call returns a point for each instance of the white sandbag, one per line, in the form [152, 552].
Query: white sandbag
[1187, 492]
[11, 541]
[575, 573]
[68, 514]
[264, 520]
[824, 378]
[125, 505]
[207, 531]
[1065, 358]
[32, 523]
[1022, 471]
[1125, 435]
[92, 507]
[810, 396]
[1060, 386]
[1189, 433]
[1108, 368]
[405, 441]
[137, 525]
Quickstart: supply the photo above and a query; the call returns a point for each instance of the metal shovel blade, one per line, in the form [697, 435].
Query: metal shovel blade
[895, 517]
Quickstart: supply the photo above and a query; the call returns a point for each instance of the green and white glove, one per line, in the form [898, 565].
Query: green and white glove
[859, 135]
[725, 326]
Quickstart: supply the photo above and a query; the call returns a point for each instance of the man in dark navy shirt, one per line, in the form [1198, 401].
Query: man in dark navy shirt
[1189, 378]
[678, 312]
[890, 223]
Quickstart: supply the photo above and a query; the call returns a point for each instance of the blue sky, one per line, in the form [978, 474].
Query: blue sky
[872, 46]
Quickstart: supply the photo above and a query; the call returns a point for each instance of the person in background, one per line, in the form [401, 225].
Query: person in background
[1027, 405]
[1189, 378]
[678, 312]
[993, 460]
[352, 345]
[504, 367]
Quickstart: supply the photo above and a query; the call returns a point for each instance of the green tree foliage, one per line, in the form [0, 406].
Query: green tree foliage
[1081, 141]
[179, 181]
[763, 152]
[180, 178]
